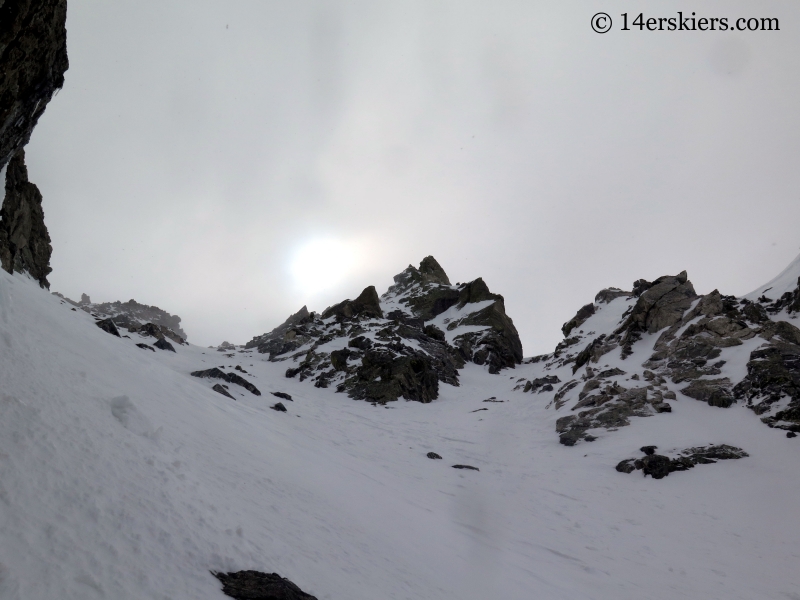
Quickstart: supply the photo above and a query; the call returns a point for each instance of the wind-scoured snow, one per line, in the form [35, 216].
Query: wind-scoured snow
[121, 476]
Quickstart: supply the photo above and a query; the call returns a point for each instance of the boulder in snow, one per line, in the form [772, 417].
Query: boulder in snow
[108, 326]
[163, 344]
[254, 585]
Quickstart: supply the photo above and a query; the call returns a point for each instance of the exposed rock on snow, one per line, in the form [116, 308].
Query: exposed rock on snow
[163, 344]
[660, 304]
[157, 331]
[282, 395]
[135, 317]
[578, 320]
[217, 387]
[24, 241]
[146, 347]
[367, 305]
[108, 326]
[772, 384]
[33, 59]
[433, 455]
[279, 407]
[714, 391]
[385, 375]
[611, 408]
[471, 468]
[659, 466]
[672, 341]
[540, 384]
[608, 294]
[215, 373]
[253, 585]
[300, 317]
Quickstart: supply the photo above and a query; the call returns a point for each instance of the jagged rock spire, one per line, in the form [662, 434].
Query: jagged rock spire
[429, 272]
[24, 241]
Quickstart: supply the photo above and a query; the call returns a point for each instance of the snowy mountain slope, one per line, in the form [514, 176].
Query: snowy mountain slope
[123, 476]
[783, 290]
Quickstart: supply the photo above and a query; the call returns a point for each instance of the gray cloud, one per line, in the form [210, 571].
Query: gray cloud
[197, 147]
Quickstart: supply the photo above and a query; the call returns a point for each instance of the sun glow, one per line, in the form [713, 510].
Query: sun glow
[322, 264]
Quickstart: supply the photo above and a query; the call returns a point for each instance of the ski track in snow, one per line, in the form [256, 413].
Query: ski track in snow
[121, 476]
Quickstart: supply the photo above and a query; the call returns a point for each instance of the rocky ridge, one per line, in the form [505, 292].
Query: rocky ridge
[634, 353]
[401, 344]
[134, 316]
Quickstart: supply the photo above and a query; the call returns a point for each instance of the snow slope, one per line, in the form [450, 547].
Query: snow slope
[786, 281]
[121, 476]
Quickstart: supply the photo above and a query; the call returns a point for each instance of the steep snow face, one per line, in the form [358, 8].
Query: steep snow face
[122, 476]
[786, 281]
[781, 296]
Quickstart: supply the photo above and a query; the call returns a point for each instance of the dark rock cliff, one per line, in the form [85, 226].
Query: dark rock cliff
[24, 241]
[33, 59]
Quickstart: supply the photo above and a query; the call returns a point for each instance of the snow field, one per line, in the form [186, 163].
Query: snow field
[123, 477]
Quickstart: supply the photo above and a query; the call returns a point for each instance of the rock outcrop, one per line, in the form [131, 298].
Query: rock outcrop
[367, 305]
[217, 387]
[580, 317]
[163, 344]
[152, 330]
[402, 344]
[135, 317]
[772, 385]
[298, 318]
[659, 466]
[671, 343]
[33, 59]
[215, 373]
[254, 585]
[108, 326]
[24, 241]
[660, 304]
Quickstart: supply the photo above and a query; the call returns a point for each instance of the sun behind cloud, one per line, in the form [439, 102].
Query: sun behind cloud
[321, 264]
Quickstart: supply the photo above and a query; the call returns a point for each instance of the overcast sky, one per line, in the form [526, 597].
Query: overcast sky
[232, 161]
